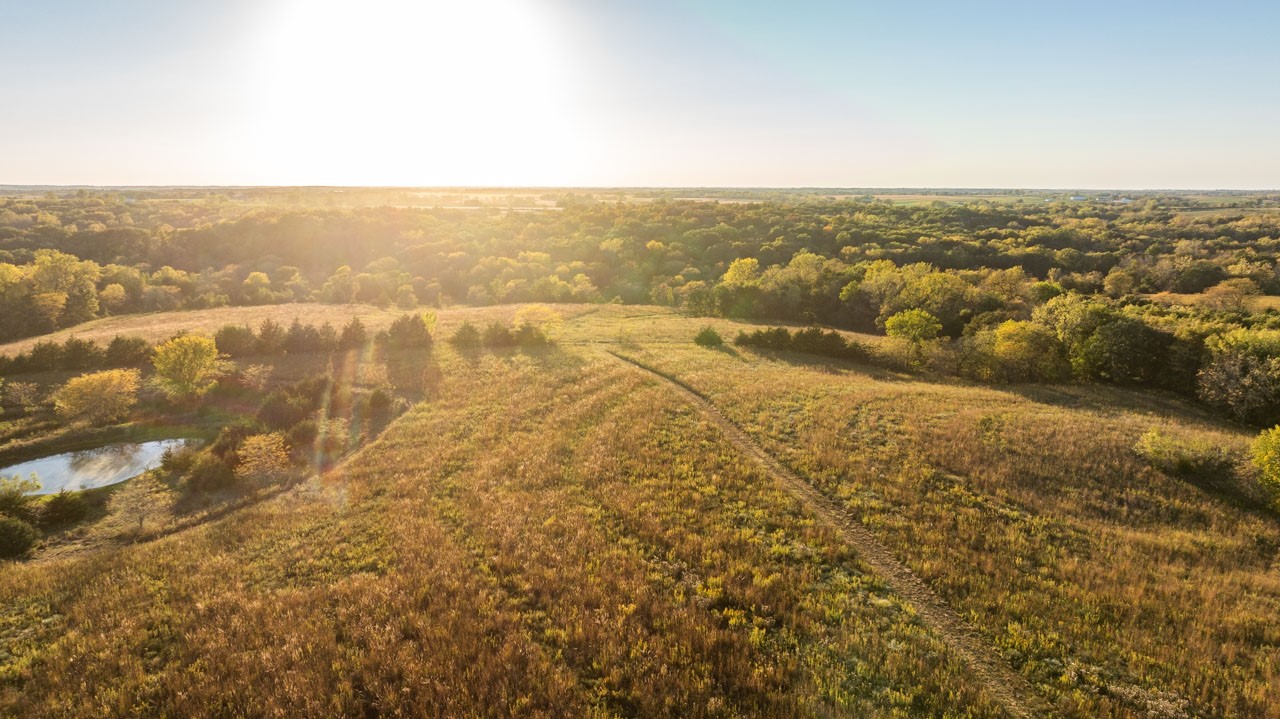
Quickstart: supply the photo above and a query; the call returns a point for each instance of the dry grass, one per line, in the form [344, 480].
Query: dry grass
[553, 535]
[1259, 303]
[163, 325]
[1121, 591]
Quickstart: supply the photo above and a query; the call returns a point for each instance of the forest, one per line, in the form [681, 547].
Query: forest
[1164, 291]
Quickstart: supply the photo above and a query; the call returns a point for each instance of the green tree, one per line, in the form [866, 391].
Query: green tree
[915, 326]
[1029, 352]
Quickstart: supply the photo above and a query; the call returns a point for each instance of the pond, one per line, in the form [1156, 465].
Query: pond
[91, 468]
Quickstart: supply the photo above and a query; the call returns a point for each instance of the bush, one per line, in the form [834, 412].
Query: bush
[264, 458]
[16, 537]
[127, 352]
[236, 340]
[812, 340]
[466, 336]
[1184, 458]
[14, 500]
[708, 337]
[98, 397]
[178, 461]
[230, 437]
[496, 334]
[209, 473]
[78, 354]
[529, 335]
[62, 509]
[303, 339]
[1265, 454]
[44, 355]
[409, 332]
[24, 395]
[271, 337]
[354, 336]
[379, 403]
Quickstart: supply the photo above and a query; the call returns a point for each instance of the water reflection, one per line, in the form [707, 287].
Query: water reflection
[90, 468]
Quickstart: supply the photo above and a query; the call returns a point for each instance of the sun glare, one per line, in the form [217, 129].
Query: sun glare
[405, 92]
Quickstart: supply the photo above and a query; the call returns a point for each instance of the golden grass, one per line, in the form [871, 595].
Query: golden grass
[1121, 591]
[553, 535]
[1258, 303]
[159, 326]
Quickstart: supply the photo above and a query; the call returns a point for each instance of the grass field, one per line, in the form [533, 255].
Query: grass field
[1254, 304]
[557, 534]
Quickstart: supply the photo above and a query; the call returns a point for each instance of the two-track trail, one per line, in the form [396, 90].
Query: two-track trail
[1010, 688]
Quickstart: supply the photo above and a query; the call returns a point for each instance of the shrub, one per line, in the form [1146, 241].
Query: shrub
[178, 461]
[813, 340]
[379, 403]
[230, 437]
[496, 334]
[271, 337]
[16, 537]
[1265, 454]
[708, 337]
[24, 395]
[14, 500]
[236, 340]
[409, 332]
[302, 436]
[529, 335]
[353, 336]
[1182, 457]
[44, 355]
[829, 343]
[209, 473]
[263, 458]
[186, 366]
[98, 397]
[127, 352]
[62, 509]
[78, 354]
[466, 336]
[302, 339]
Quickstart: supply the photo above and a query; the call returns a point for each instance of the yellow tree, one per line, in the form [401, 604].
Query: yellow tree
[186, 366]
[263, 458]
[98, 397]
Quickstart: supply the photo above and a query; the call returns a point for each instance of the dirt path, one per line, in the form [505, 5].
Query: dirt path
[1007, 686]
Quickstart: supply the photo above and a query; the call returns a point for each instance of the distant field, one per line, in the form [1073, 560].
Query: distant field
[1259, 303]
[162, 325]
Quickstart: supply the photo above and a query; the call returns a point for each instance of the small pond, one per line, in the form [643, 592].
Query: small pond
[90, 468]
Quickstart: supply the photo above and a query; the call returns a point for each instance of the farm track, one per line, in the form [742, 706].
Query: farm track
[1011, 689]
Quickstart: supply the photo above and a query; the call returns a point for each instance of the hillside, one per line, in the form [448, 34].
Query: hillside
[626, 524]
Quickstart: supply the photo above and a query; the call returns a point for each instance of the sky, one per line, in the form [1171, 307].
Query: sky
[701, 93]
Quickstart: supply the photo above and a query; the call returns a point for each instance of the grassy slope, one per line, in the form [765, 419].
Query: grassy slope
[163, 325]
[557, 535]
[552, 537]
[1121, 591]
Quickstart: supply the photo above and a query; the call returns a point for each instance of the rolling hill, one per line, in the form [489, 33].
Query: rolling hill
[626, 524]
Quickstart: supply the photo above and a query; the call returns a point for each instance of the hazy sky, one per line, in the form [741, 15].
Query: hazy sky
[646, 92]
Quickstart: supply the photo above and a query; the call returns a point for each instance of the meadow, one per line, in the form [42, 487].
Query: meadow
[552, 532]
